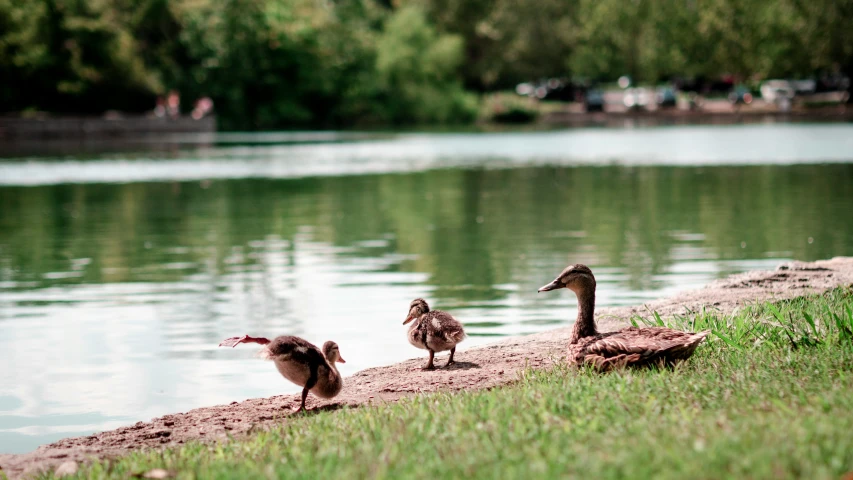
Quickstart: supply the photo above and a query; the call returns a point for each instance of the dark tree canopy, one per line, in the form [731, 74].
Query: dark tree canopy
[299, 63]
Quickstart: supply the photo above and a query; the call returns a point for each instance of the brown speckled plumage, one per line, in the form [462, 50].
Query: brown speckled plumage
[631, 346]
[433, 330]
[301, 362]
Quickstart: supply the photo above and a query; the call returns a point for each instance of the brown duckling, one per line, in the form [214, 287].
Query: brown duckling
[301, 362]
[433, 330]
[631, 346]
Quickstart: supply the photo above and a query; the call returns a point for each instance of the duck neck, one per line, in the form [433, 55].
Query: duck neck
[414, 325]
[334, 375]
[585, 324]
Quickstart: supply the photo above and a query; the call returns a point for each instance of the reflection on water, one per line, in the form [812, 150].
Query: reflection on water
[114, 297]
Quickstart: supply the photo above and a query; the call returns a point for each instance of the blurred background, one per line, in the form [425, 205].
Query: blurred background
[175, 172]
[271, 64]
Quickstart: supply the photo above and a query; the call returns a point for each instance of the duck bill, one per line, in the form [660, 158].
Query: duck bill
[408, 319]
[341, 359]
[551, 286]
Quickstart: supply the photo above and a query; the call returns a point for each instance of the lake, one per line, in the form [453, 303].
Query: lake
[120, 271]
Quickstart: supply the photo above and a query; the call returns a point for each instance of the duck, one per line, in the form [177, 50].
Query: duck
[632, 346]
[433, 330]
[301, 362]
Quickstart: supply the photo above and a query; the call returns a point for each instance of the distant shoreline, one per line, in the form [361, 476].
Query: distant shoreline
[129, 127]
[835, 113]
[112, 126]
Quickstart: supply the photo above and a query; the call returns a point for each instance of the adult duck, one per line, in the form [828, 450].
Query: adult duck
[631, 346]
[301, 362]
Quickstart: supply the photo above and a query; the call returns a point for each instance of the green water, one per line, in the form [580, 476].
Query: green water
[463, 229]
[113, 297]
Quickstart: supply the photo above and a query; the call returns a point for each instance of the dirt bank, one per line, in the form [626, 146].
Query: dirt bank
[480, 367]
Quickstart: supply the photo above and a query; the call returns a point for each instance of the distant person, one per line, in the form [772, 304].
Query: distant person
[160, 107]
[173, 104]
[203, 106]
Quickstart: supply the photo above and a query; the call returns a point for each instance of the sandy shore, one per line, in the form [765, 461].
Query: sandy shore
[476, 368]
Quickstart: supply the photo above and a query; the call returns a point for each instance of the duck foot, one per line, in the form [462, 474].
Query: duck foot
[234, 341]
[450, 360]
[429, 365]
[301, 407]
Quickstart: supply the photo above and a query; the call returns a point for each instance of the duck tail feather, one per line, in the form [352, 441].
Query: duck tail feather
[698, 337]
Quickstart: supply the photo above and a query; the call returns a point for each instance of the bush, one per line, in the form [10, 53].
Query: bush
[509, 108]
[417, 69]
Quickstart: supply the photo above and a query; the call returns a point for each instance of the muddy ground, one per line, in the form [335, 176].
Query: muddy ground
[476, 368]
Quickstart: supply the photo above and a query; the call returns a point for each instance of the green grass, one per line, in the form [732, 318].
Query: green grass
[770, 395]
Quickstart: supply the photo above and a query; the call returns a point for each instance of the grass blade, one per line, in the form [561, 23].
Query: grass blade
[726, 339]
[776, 313]
[849, 316]
[811, 322]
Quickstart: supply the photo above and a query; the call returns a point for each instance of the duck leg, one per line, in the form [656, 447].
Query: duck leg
[429, 365]
[234, 341]
[302, 405]
[312, 381]
[451, 361]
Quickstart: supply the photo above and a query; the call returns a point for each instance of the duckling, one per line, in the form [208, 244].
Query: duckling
[301, 362]
[433, 330]
[631, 346]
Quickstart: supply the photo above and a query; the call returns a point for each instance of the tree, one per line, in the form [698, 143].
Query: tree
[508, 41]
[417, 69]
[71, 56]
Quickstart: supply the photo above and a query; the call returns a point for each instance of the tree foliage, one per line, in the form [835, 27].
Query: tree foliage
[417, 68]
[283, 63]
[73, 55]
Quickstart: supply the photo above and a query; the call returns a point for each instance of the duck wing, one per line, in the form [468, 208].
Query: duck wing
[635, 346]
[294, 349]
[440, 324]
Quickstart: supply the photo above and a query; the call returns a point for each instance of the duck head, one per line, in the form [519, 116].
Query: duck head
[417, 308]
[577, 278]
[332, 353]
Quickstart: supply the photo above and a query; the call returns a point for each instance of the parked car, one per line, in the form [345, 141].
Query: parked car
[556, 89]
[525, 89]
[804, 86]
[775, 91]
[740, 95]
[636, 98]
[594, 100]
[665, 97]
